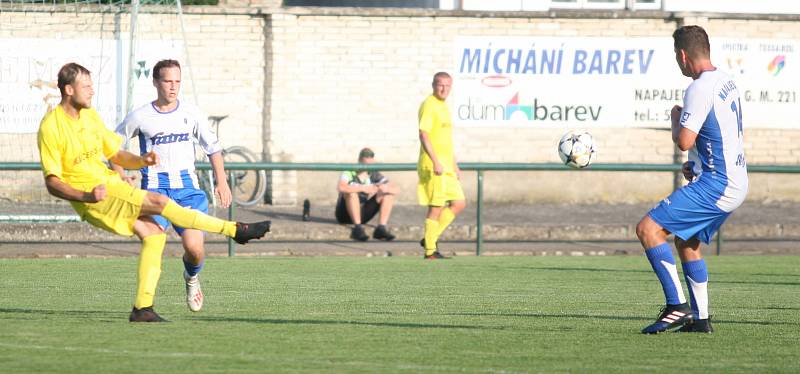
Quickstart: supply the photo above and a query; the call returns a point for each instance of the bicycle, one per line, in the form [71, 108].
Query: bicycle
[250, 185]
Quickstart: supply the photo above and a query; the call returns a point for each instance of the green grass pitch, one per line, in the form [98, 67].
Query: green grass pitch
[395, 314]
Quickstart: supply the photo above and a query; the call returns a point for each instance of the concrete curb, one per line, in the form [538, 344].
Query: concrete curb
[293, 231]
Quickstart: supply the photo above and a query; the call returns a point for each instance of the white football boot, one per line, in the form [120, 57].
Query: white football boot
[194, 295]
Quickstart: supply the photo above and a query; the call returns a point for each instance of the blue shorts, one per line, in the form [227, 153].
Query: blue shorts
[186, 197]
[689, 213]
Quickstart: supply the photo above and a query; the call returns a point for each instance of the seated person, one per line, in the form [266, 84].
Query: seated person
[362, 194]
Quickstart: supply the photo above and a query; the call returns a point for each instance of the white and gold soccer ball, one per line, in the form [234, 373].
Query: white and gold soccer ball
[576, 149]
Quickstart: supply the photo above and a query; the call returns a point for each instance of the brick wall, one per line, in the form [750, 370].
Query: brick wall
[317, 85]
[376, 70]
[226, 53]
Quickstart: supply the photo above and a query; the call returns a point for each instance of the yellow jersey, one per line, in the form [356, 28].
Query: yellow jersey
[75, 150]
[434, 119]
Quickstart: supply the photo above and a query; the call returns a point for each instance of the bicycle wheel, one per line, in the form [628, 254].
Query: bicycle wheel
[250, 184]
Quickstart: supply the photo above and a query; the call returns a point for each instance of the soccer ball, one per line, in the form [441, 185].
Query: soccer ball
[576, 149]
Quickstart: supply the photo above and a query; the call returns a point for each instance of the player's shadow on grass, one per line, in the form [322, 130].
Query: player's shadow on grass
[616, 318]
[581, 269]
[544, 315]
[48, 313]
[758, 282]
[776, 275]
[334, 322]
[293, 217]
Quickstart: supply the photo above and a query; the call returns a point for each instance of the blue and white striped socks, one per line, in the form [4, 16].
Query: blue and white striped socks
[663, 263]
[696, 275]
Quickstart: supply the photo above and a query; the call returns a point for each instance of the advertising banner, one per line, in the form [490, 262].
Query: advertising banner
[29, 73]
[608, 82]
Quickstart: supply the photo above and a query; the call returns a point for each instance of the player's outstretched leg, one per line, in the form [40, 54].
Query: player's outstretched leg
[193, 219]
[246, 232]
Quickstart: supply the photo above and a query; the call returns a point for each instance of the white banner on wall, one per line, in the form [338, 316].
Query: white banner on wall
[609, 82]
[29, 71]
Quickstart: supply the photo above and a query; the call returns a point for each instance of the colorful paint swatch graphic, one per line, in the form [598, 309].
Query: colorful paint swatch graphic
[777, 65]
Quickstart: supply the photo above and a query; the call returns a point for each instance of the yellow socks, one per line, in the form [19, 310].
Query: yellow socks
[149, 269]
[193, 219]
[434, 229]
[445, 219]
[431, 235]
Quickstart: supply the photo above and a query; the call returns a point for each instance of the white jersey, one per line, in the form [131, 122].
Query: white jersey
[172, 136]
[712, 109]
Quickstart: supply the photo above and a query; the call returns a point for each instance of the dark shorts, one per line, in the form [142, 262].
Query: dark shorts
[369, 208]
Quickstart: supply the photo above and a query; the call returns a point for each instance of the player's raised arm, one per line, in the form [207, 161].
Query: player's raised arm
[127, 129]
[131, 161]
[681, 136]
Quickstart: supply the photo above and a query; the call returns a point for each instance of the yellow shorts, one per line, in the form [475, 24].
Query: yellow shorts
[437, 190]
[117, 212]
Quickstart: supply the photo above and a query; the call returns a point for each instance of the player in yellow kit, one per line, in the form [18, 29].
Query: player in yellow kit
[439, 185]
[73, 144]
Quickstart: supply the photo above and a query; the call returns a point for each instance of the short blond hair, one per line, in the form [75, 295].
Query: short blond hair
[441, 74]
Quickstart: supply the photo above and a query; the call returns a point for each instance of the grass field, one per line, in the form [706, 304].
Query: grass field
[343, 314]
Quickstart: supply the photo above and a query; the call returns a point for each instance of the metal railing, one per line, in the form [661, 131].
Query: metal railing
[478, 167]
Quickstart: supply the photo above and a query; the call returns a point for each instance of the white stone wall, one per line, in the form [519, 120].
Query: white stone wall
[362, 79]
[317, 87]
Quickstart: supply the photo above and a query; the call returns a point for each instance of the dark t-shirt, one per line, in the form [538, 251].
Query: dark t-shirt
[373, 177]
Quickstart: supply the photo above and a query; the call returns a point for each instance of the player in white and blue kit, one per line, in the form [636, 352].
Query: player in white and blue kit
[169, 128]
[709, 126]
